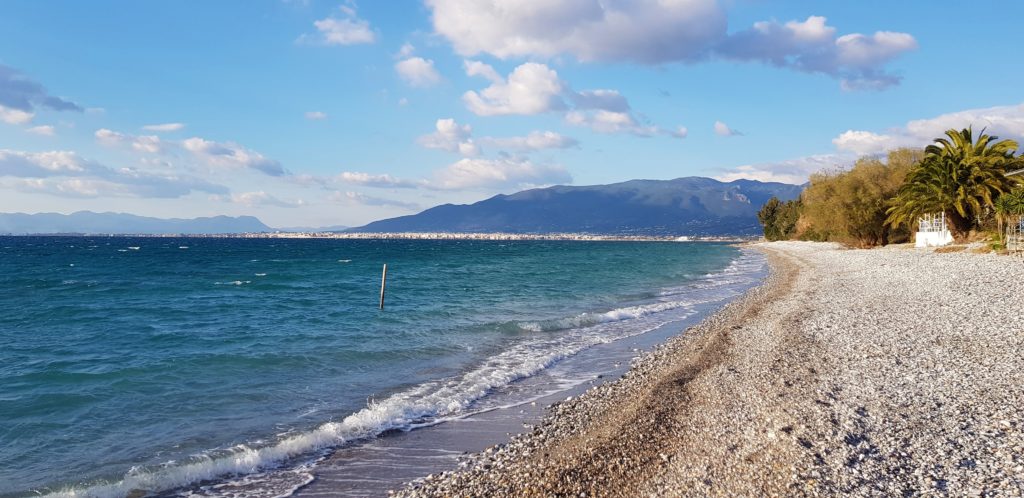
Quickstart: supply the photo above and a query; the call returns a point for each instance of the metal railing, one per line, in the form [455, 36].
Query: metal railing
[1015, 236]
[932, 223]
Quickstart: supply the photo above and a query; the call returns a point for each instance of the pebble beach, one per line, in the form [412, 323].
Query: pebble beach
[880, 372]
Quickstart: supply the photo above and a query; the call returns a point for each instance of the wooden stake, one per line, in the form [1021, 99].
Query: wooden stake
[383, 282]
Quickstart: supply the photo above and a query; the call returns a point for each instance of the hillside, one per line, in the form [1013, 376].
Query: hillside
[684, 206]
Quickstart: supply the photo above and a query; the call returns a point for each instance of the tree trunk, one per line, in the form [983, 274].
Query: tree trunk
[959, 226]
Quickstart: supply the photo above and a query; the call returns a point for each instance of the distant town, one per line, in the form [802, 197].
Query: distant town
[418, 236]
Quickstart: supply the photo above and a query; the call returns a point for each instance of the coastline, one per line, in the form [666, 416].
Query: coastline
[847, 372]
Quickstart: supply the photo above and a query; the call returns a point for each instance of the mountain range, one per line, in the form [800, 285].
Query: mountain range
[684, 206]
[121, 223]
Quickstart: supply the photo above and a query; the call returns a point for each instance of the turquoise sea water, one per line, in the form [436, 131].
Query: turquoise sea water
[155, 363]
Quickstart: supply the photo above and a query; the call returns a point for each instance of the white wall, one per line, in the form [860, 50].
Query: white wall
[933, 239]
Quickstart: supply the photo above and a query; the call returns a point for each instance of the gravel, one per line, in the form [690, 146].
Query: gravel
[879, 372]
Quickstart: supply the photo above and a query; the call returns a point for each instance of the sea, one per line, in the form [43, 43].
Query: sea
[174, 366]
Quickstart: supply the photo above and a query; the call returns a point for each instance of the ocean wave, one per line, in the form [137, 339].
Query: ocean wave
[261, 466]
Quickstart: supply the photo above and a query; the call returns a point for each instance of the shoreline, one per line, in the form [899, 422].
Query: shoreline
[819, 382]
[496, 236]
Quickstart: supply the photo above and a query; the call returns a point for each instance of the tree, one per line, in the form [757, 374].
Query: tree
[850, 206]
[1009, 207]
[958, 176]
[779, 218]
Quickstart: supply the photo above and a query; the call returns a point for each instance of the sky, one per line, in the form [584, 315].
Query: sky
[324, 113]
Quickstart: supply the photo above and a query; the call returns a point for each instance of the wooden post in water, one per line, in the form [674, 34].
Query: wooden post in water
[383, 282]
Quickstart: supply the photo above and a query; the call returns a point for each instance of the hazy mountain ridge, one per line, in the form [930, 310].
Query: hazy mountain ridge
[691, 205]
[123, 223]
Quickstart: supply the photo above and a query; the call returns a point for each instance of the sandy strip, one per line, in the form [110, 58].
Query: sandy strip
[884, 372]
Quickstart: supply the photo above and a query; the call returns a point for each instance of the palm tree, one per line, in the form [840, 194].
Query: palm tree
[958, 176]
[1009, 207]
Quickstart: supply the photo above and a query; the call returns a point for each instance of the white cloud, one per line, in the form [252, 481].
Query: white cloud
[662, 31]
[479, 173]
[723, 130]
[535, 140]
[15, 116]
[452, 137]
[44, 130]
[348, 29]
[603, 121]
[141, 143]
[358, 199]
[231, 155]
[533, 88]
[858, 60]
[477, 68]
[377, 181]
[407, 50]
[257, 199]
[164, 127]
[864, 142]
[680, 132]
[646, 31]
[793, 171]
[316, 115]
[529, 89]
[66, 173]
[1002, 121]
[418, 72]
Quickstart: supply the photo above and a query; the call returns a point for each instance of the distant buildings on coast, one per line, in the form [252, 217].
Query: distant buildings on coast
[433, 236]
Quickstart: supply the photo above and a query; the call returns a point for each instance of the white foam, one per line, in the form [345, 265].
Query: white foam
[425, 404]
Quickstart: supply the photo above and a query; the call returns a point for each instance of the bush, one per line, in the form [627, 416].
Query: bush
[779, 218]
[850, 206]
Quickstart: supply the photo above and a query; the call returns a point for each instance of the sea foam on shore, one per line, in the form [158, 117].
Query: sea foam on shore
[880, 372]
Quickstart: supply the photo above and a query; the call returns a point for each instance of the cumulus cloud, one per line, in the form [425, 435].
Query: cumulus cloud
[812, 46]
[144, 143]
[316, 115]
[645, 31]
[658, 32]
[470, 173]
[533, 88]
[529, 89]
[452, 137]
[723, 130]
[21, 97]
[1002, 121]
[65, 173]
[793, 171]
[477, 68]
[535, 140]
[15, 116]
[376, 181]
[44, 130]
[231, 155]
[358, 199]
[418, 72]
[345, 29]
[680, 132]
[603, 121]
[257, 199]
[164, 127]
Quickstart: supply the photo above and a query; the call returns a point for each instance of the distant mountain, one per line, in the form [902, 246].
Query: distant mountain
[95, 223]
[334, 228]
[684, 206]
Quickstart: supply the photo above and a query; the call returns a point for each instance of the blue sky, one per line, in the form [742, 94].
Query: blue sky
[339, 112]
